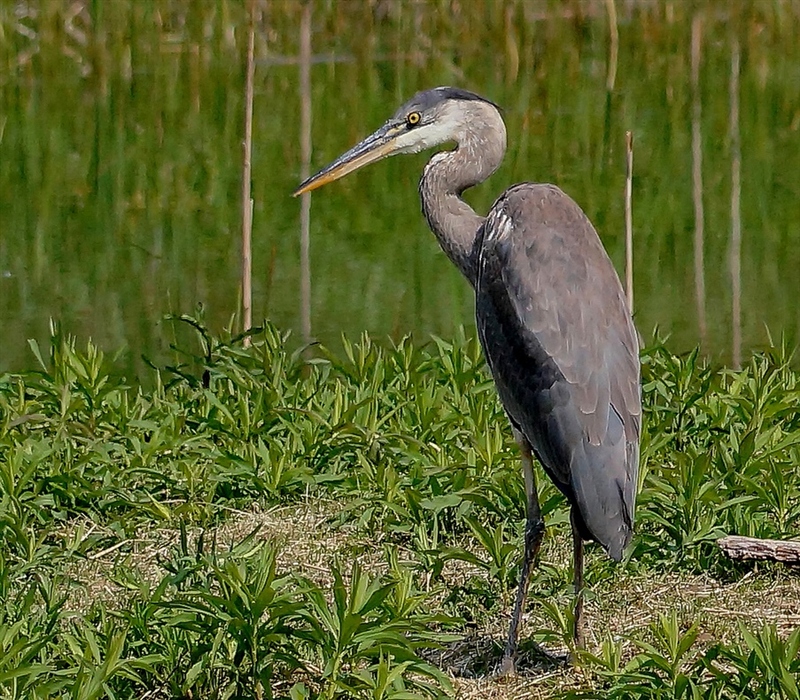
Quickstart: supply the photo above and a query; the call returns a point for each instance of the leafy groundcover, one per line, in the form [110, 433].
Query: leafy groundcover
[265, 523]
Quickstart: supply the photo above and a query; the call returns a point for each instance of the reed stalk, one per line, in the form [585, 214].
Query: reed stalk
[629, 219]
[697, 184]
[305, 169]
[613, 46]
[247, 201]
[736, 208]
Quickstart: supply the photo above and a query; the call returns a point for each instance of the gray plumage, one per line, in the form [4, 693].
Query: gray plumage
[551, 316]
[562, 349]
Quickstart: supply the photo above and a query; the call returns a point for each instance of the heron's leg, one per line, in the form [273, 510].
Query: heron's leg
[577, 549]
[534, 531]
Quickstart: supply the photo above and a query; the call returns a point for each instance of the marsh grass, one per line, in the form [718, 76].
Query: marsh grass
[264, 524]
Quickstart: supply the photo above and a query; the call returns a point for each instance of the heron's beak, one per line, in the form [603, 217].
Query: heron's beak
[375, 147]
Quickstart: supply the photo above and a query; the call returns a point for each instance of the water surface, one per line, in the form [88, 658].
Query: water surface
[120, 161]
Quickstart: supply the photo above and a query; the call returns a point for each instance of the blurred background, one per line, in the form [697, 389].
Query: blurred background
[121, 126]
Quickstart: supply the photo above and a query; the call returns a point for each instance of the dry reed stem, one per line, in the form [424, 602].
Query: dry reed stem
[305, 157]
[736, 207]
[697, 184]
[629, 219]
[613, 47]
[247, 202]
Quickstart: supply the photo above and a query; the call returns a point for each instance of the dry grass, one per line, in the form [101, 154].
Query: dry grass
[623, 606]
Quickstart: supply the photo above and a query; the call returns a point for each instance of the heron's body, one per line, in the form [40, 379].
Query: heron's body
[561, 355]
[551, 317]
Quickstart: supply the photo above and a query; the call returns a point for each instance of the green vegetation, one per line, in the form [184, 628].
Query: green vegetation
[263, 524]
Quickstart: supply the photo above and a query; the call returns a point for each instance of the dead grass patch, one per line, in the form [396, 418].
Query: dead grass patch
[622, 606]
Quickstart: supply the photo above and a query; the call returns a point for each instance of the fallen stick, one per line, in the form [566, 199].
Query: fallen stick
[738, 547]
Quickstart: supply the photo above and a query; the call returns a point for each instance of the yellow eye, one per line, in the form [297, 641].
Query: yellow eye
[413, 119]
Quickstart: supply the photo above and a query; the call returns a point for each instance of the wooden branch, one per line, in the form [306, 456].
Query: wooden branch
[737, 547]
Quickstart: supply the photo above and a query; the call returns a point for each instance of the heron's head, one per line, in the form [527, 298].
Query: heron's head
[428, 119]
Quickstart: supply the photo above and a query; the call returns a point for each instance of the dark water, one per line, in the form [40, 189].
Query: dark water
[120, 161]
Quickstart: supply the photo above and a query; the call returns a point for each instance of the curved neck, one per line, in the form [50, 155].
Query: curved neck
[481, 145]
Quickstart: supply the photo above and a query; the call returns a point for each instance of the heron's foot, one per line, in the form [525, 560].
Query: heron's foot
[578, 642]
[508, 669]
[532, 659]
[575, 654]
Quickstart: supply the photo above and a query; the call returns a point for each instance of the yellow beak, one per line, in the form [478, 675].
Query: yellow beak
[375, 147]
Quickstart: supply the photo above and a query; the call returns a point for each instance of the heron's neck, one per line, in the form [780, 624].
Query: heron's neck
[479, 152]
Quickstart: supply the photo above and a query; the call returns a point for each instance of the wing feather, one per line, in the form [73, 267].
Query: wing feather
[563, 350]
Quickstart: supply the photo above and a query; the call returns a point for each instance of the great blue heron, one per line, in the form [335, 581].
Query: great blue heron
[551, 316]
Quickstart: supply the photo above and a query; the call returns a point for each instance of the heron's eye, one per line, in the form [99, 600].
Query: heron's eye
[413, 119]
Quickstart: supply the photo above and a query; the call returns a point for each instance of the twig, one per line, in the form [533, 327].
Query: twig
[305, 156]
[629, 219]
[108, 550]
[247, 201]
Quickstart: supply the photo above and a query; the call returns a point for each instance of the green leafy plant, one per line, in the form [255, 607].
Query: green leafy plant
[368, 623]
[402, 446]
[766, 666]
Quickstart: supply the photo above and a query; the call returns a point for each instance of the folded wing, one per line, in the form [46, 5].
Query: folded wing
[562, 348]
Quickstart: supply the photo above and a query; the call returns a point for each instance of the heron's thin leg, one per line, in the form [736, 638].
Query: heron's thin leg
[577, 549]
[534, 531]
